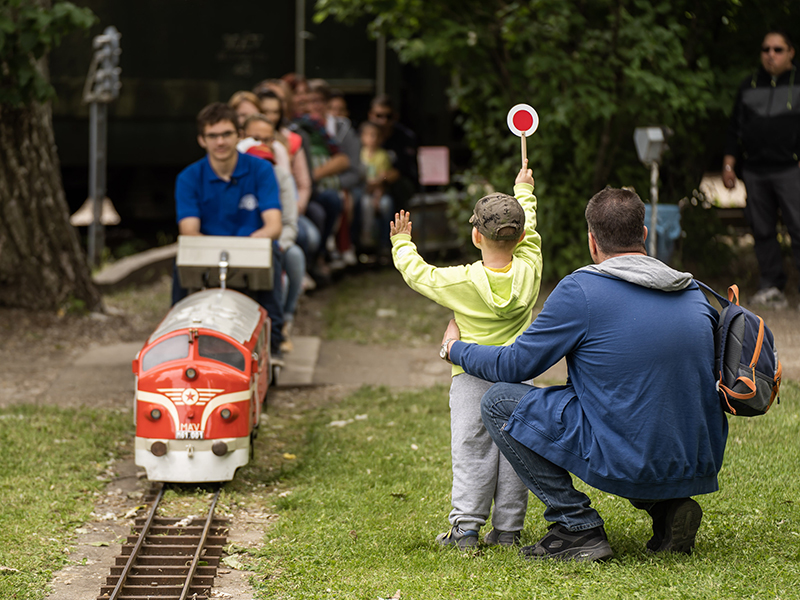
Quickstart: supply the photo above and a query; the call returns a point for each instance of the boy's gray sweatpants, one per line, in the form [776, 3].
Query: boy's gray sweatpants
[480, 471]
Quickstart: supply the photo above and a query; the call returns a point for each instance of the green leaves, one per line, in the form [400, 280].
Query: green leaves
[29, 30]
[594, 70]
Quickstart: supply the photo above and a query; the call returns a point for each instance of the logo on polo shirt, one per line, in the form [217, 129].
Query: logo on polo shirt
[248, 202]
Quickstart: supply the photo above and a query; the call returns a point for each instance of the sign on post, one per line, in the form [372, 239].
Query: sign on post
[523, 121]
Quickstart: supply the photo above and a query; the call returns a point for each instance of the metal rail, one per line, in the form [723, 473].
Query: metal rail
[132, 558]
[200, 545]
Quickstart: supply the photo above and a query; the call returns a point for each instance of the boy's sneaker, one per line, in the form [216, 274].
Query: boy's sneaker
[770, 298]
[496, 537]
[560, 542]
[462, 538]
[675, 525]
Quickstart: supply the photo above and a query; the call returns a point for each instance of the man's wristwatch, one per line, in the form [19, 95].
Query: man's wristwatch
[443, 350]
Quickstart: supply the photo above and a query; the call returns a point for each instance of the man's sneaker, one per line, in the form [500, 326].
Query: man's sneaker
[770, 298]
[675, 525]
[462, 538]
[496, 537]
[560, 542]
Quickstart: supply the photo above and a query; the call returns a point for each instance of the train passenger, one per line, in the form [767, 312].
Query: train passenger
[298, 99]
[401, 144]
[375, 207]
[351, 180]
[325, 206]
[259, 135]
[273, 106]
[228, 193]
[245, 104]
[265, 134]
[337, 104]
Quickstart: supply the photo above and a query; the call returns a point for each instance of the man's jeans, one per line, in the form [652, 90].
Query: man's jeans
[549, 482]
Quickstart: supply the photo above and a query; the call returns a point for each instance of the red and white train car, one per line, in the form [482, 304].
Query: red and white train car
[201, 379]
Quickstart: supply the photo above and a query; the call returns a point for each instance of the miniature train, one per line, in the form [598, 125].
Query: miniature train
[201, 379]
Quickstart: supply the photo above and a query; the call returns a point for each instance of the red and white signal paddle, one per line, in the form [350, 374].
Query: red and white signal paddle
[523, 121]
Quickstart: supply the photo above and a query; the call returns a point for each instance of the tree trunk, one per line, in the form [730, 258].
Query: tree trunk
[42, 265]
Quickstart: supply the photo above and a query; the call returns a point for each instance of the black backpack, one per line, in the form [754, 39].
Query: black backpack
[746, 359]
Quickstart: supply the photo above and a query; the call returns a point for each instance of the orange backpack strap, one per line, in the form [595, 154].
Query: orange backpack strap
[733, 294]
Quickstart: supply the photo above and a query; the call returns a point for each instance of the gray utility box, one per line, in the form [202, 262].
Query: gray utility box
[249, 261]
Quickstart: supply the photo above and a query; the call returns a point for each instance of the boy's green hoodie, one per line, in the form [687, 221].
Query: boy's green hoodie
[490, 307]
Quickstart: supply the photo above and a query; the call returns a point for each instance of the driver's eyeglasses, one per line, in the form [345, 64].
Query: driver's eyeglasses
[775, 49]
[225, 135]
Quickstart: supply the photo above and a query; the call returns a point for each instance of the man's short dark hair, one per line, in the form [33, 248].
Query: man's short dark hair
[321, 87]
[384, 100]
[616, 220]
[783, 33]
[213, 114]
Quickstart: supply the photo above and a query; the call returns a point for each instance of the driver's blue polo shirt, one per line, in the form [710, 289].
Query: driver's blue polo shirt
[227, 207]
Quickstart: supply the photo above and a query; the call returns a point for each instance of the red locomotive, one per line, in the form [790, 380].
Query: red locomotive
[201, 379]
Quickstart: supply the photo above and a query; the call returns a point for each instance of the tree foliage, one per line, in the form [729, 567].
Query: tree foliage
[594, 70]
[28, 32]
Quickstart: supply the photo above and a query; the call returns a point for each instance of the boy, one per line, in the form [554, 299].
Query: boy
[492, 301]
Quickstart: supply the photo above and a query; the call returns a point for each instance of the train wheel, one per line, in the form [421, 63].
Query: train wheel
[252, 445]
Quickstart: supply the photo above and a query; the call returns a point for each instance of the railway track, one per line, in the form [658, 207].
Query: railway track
[168, 558]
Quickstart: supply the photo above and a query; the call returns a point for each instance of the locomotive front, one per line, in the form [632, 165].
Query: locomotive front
[200, 382]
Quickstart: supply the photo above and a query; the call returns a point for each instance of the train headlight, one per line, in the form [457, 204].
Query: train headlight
[228, 413]
[190, 373]
[155, 414]
[219, 448]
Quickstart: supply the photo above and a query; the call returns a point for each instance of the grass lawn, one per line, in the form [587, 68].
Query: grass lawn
[53, 466]
[371, 491]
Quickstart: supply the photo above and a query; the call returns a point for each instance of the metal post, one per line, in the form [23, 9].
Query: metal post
[102, 86]
[652, 235]
[380, 66]
[300, 37]
[97, 177]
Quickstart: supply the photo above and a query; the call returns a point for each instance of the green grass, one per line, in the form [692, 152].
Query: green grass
[368, 498]
[382, 309]
[53, 464]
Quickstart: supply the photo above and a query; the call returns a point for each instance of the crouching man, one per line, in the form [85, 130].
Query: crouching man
[639, 416]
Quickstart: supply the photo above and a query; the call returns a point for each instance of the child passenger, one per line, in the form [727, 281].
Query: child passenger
[376, 205]
[492, 301]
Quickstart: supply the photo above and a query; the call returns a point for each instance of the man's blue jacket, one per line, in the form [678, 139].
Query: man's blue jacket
[639, 416]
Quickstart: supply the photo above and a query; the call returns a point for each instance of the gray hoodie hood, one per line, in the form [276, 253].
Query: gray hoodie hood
[644, 271]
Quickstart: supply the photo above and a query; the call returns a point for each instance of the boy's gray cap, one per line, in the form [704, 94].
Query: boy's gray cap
[496, 212]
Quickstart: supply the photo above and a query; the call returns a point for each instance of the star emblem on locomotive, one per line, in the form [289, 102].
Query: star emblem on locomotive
[190, 396]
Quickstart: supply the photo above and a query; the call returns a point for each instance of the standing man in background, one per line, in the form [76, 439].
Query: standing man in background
[763, 143]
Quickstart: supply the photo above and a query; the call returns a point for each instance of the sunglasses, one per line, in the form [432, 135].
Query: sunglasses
[775, 49]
